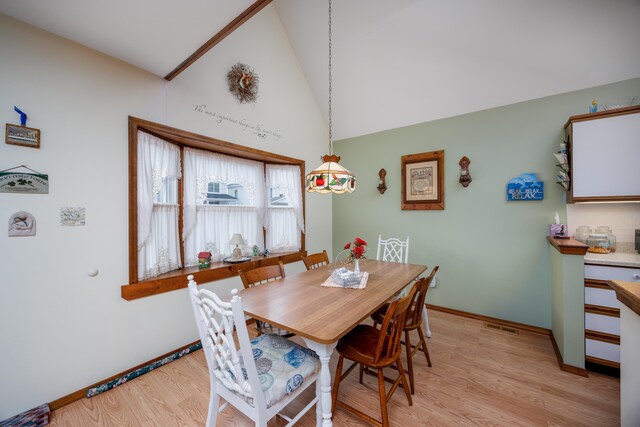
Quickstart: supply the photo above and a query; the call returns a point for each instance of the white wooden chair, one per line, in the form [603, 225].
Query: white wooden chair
[396, 250]
[393, 250]
[260, 378]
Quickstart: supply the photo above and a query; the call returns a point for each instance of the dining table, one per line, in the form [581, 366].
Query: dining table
[322, 315]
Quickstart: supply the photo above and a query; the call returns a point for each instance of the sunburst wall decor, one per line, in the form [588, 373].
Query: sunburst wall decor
[243, 83]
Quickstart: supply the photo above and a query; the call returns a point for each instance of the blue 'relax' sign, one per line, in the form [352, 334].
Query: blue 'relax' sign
[525, 187]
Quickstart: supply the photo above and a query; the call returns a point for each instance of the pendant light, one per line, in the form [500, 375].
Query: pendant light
[330, 176]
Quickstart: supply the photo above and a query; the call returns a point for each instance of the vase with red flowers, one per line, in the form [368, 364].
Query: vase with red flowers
[357, 250]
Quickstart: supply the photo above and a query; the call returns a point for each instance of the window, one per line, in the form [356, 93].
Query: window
[221, 193]
[191, 193]
[213, 187]
[285, 217]
[277, 197]
[210, 219]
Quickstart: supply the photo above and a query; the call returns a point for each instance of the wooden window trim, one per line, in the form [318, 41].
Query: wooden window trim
[177, 279]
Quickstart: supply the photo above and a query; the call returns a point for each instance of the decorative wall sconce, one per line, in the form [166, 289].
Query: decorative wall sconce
[382, 185]
[465, 176]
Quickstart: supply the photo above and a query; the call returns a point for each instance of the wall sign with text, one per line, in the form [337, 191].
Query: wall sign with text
[525, 187]
[21, 182]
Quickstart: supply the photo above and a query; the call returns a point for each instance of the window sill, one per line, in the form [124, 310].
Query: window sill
[178, 279]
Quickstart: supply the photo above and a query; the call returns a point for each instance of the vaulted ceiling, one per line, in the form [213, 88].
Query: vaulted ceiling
[395, 63]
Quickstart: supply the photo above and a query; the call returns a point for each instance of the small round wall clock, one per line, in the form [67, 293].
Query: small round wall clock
[243, 83]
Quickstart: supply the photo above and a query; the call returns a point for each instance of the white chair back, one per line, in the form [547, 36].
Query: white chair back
[216, 319]
[393, 250]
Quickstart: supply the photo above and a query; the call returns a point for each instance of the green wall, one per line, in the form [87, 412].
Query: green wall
[567, 306]
[492, 254]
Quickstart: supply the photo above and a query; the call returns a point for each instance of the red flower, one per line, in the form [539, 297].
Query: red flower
[358, 251]
[359, 242]
[347, 246]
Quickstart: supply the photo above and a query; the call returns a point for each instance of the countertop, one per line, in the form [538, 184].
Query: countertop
[568, 246]
[628, 293]
[620, 259]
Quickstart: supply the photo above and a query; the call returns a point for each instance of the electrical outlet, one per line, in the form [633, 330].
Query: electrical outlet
[434, 282]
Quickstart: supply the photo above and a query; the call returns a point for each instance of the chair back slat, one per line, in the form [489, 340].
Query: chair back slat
[314, 261]
[392, 326]
[414, 318]
[216, 321]
[393, 250]
[262, 275]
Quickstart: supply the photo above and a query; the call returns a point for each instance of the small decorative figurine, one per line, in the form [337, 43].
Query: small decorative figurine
[204, 259]
[593, 108]
[265, 253]
[465, 176]
[256, 250]
[382, 185]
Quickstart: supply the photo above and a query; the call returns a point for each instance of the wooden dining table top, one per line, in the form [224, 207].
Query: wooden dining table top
[299, 304]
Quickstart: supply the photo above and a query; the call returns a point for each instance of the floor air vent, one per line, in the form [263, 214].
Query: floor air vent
[502, 328]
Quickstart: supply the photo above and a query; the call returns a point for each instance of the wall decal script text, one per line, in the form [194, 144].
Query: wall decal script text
[257, 129]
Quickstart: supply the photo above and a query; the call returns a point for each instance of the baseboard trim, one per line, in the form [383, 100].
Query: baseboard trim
[563, 366]
[523, 326]
[82, 393]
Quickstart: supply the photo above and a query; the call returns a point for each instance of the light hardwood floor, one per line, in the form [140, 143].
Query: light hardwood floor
[479, 377]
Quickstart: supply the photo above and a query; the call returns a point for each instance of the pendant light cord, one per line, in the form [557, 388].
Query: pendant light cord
[330, 113]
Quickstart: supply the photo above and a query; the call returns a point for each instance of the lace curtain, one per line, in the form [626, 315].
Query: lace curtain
[284, 223]
[161, 251]
[214, 227]
[210, 227]
[158, 240]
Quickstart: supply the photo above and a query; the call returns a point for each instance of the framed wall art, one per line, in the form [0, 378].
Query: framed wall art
[22, 135]
[423, 181]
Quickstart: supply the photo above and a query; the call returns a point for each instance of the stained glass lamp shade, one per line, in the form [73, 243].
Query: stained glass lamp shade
[331, 177]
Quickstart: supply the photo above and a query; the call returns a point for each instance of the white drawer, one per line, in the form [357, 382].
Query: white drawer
[600, 323]
[600, 272]
[602, 350]
[601, 297]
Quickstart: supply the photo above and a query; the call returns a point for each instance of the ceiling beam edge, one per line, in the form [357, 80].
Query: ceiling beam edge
[221, 35]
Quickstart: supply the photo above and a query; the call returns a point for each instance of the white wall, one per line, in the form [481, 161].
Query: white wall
[623, 218]
[629, 368]
[61, 330]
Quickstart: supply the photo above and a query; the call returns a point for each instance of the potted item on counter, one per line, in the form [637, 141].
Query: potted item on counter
[582, 233]
[603, 229]
[598, 243]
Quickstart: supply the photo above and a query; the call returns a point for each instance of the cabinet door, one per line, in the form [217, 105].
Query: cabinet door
[605, 157]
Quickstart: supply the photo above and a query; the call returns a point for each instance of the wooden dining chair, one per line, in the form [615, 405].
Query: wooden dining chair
[260, 377]
[376, 349]
[262, 276]
[413, 322]
[396, 250]
[314, 261]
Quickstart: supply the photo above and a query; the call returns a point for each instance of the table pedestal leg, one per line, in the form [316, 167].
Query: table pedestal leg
[324, 352]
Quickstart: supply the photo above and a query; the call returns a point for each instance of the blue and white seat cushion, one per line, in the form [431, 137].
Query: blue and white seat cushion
[282, 366]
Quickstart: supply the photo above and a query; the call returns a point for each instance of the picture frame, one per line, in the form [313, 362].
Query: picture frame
[22, 135]
[423, 181]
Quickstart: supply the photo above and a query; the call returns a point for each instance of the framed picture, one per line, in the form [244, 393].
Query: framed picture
[22, 135]
[423, 181]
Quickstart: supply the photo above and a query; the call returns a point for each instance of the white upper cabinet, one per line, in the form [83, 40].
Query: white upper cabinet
[605, 156]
